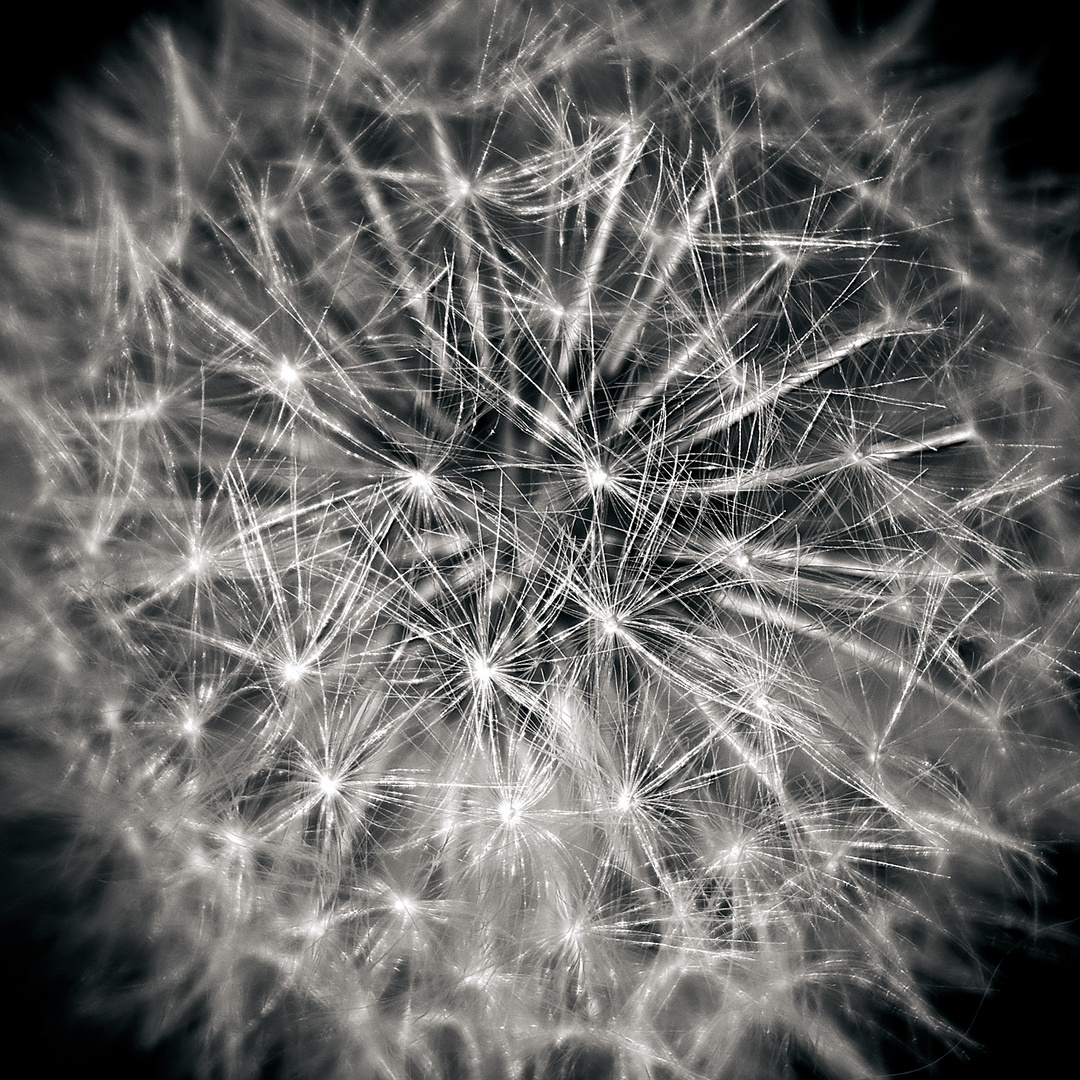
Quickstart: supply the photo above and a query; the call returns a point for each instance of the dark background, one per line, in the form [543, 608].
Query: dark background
[62, 38]
[1026, 1025]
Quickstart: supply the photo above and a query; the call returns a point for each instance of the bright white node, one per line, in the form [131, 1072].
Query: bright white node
[196, 562]
[509, 813]
[191, 725]
[626, 801]
[733, 855]
[150, 411]
[292, 671]
[762, 704]
[288, 374]
[235, 841]
[315, 928]
[329, 785]
[598, 477]
[481, 670]
[420, 482]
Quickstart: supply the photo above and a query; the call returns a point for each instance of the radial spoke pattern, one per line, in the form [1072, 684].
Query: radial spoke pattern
[551, 537]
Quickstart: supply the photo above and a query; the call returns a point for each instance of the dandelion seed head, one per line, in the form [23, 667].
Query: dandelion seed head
[93, 541]
[462, 190]
[459, 586]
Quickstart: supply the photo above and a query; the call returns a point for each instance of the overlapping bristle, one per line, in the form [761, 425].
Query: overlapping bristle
[548, 548]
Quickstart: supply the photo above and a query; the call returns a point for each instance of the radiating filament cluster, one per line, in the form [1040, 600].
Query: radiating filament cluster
[566, 521]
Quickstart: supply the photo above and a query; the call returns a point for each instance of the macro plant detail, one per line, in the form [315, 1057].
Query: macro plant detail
[544, 540]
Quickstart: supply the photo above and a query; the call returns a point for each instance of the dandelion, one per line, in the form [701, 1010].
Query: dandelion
[549, 547]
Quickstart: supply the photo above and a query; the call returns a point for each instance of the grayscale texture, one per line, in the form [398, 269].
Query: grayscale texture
[539, 541]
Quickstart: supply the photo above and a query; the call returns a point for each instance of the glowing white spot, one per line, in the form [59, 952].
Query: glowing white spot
[287, 373]
[610, 623]
[598, 477]
[329, 785]
[196, 562]
[174, 247]
[464, 190]
[509, 813]
[404, 904]
[574, 932]
[762, 705]
[150, 411]
[779, 251]
[191, 724]
[733, 855]
[315, 928]
[482, 671]
[292, 671]
[549, 426]
[627, 800]
[235, 840]
[420, 482]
